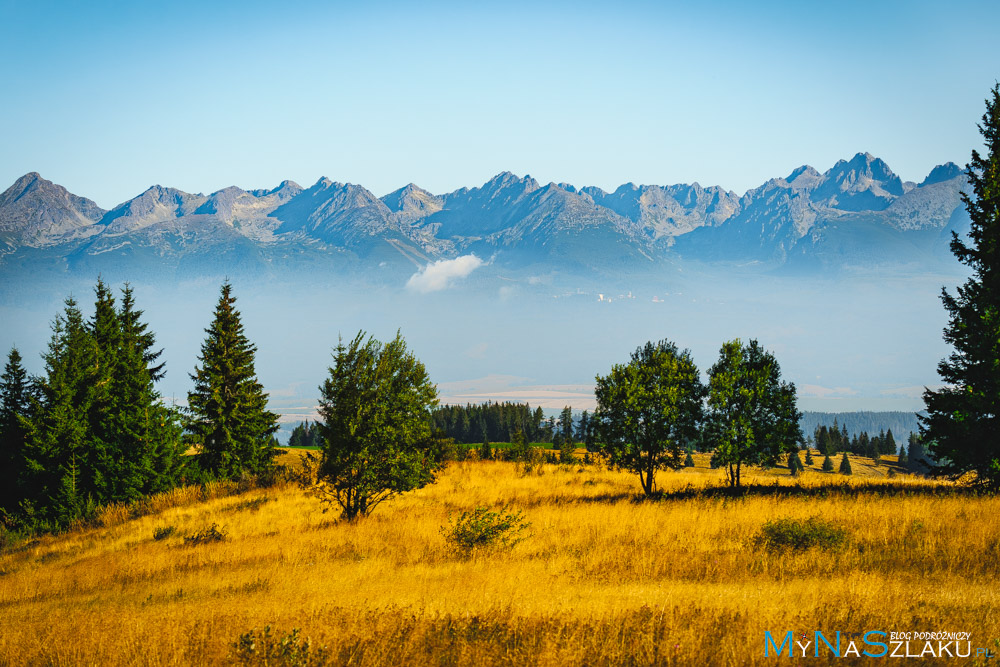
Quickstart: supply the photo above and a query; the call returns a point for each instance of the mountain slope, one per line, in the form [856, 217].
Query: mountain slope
[36, 213]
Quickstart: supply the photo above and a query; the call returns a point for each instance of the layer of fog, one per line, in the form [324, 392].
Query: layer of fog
[869, 341]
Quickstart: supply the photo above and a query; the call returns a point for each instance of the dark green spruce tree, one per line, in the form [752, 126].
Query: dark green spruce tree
[229, 418]
[147, 442]
[111, 475]
[566, 445]
[963, 418]
[59, 480]
[15, 394]
[845, 465]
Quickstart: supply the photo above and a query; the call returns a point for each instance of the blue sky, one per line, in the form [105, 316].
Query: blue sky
[108, 98]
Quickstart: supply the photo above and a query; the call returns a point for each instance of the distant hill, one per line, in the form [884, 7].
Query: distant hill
[901, 423]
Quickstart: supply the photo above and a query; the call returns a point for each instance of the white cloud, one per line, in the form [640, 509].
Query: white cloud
[441, 274]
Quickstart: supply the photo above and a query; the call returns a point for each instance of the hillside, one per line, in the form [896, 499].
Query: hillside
[602, 578]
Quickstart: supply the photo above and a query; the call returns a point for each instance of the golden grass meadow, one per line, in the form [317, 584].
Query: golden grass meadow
[604, 577]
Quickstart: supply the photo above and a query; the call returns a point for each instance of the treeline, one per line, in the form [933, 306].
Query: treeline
[500, 422]
[92, 430]
[305, 434]
[913, 454]
[835, 439]
[900, 423]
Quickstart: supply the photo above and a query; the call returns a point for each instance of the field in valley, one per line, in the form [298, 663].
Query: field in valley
[604, 577]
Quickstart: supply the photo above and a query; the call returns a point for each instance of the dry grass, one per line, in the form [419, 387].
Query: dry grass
[604, 577]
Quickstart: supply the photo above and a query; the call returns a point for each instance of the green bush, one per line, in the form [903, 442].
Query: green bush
[211, 534]
[264, 648]
[781, 534]
[483, 529]
[567, 451]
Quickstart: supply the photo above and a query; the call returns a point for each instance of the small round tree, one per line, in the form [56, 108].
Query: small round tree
[752, 414]
[375, 410]
[648, 409]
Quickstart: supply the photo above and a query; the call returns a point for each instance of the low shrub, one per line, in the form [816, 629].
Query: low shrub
[266, 648]
[780, 534]
[483, 529]
[206, 535]
[163, 532]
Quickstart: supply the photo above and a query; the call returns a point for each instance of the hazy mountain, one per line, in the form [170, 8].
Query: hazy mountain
[157, 204]
[856, 213]
[666, 212]
[413, 203]
[865, 183]
[35, 212]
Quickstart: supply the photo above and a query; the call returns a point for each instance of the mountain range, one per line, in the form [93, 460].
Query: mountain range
[857, 213]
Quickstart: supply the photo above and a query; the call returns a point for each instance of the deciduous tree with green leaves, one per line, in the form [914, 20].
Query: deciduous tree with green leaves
[963, 417]
[752, 413]
[375, 408]
[229, 418]
[648, 410]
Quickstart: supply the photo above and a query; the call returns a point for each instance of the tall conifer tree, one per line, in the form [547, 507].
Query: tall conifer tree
[963, 418]
[147, 441]
[15, 390]
[228, 406]
[59, 473]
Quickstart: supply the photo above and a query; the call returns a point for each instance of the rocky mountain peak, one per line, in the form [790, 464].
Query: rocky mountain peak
[413, 200]
[805, 178]
[37, 212]
[865, 182]
[942, 172]
[506, 179]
